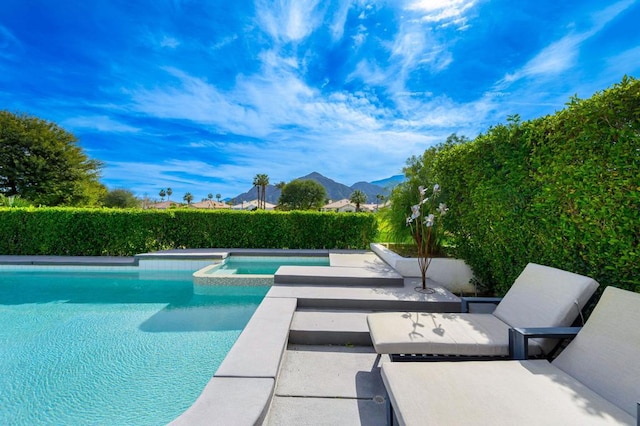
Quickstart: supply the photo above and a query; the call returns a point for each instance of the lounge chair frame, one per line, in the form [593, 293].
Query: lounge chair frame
[562, 290]
[518, 347]
[606, 329]
[517, 338]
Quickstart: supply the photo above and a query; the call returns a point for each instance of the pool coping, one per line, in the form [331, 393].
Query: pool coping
[252, 374]
[175, 254]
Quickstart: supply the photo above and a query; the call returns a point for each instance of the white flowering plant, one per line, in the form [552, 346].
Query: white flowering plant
[423, 225]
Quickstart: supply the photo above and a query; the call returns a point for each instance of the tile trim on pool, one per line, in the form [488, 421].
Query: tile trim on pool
[79, 268]
[173, 265]
[143, 266]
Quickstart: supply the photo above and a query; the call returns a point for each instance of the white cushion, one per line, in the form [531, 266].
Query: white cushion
[496, 393]
[605, 355]
[440, 334]
[543, 296]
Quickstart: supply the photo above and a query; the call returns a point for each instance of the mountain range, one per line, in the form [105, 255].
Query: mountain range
[335, 190]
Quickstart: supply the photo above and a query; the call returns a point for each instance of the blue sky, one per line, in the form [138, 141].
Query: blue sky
[202, 95]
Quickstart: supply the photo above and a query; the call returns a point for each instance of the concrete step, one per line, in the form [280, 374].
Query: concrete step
[375, 276]
[329, 385]
[368, 298]
[330, 327]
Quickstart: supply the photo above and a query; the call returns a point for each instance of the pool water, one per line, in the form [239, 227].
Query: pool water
[111, 348]
[258, 265]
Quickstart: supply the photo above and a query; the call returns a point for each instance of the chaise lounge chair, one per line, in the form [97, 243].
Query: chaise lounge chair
[540, 297]
[595, 380]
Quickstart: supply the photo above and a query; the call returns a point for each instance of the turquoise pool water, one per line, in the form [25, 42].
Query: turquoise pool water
[111, 348]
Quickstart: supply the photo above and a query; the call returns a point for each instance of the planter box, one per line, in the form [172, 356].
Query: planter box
[453, 274]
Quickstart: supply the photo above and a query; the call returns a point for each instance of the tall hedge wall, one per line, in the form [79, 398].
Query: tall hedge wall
[116, 232]
[562, 190]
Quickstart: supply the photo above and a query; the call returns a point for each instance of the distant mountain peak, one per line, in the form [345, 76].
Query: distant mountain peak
[335, 190]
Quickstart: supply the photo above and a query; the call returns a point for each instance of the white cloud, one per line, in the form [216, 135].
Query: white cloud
[276, 104]
[225, 41]
[409, 45]
[196, 177]
[300, 127]
[289, 20]
[196, 100]
[625, 62]
[339, 20]
[158, 40]
[169, 42]
[603, 17]
[6, 38]
[370, 73]
[444, 12]
[360, 37]
[101, 123]
[561, 55]
[8, 42]
[552, 60]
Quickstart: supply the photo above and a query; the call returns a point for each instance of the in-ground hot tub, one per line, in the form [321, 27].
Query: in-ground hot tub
[251, 270]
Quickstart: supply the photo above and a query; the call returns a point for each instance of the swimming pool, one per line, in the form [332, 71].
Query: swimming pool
[111, 348]
[251, 270]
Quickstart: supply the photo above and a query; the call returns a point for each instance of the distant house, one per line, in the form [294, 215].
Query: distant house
[347, 206]
[210, 204]
[252, 205]
[164, 205]
[341, 206]
[372, 208]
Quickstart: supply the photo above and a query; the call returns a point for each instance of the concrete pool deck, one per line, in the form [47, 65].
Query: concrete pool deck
[305, 357]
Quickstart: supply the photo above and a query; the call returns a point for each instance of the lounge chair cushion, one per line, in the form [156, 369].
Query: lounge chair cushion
[543, 296]
[605, 355]
[531, 392]
[441, 334]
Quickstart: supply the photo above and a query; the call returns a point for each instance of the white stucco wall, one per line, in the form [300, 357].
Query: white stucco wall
[453, 274]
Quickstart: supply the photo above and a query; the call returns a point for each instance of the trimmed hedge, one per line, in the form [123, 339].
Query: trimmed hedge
[562, 190]
[117, 232]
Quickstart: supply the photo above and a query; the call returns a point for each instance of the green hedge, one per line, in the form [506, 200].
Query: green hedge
[117, 232]
[562, 190]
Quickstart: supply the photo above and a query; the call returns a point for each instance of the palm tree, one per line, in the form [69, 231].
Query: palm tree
[188, 198]
[256, 183]
[169, 192]
[264, 182]
[210, 196]
[162, 193]
[358, 197]
[261, 181]
[218, 196]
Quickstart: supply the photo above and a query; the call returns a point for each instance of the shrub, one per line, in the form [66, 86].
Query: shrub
[562, 190]
[121, 232]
